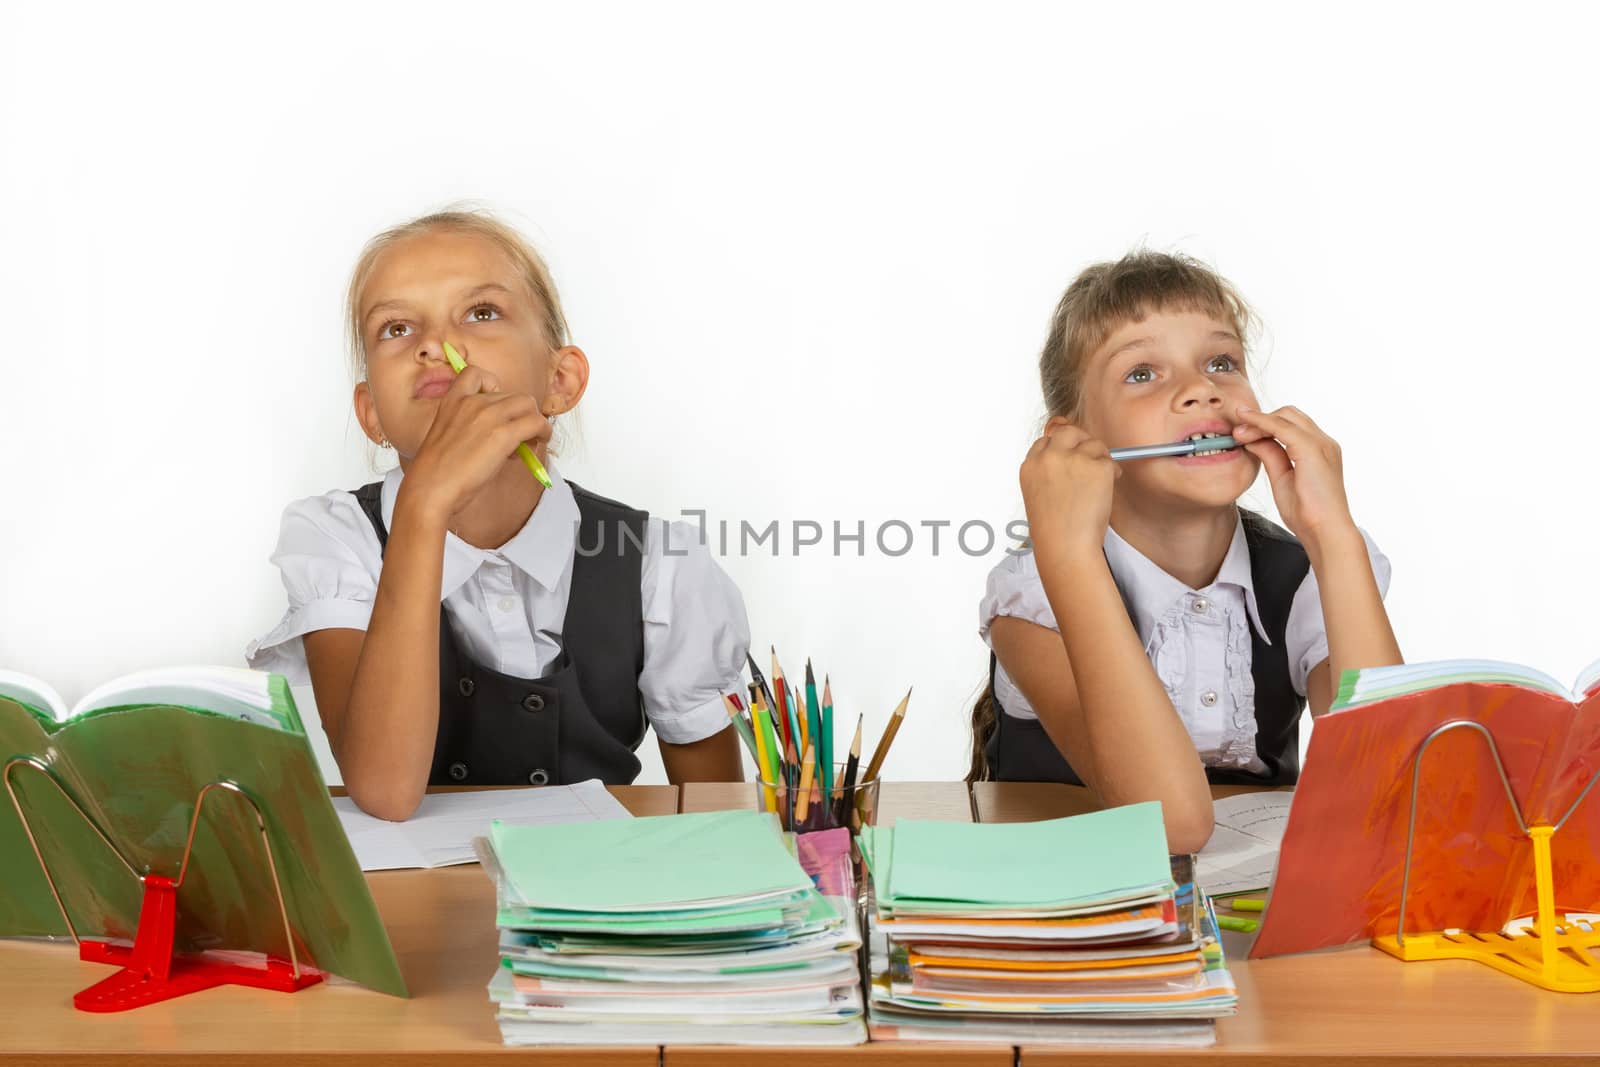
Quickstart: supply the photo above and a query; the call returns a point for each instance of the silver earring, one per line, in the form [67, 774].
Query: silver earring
[383, 442]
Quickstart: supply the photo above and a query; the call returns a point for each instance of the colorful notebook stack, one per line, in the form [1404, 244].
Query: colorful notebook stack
[1071, 930]
[682, 929]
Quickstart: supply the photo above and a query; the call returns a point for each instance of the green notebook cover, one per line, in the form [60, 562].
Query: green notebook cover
[1116, 854]
[136, 772]
[659, 862]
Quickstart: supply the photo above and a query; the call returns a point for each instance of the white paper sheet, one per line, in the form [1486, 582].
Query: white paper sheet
[1243, 851]
[440, 833]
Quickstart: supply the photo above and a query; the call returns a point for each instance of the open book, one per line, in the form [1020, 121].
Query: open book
[230, 691]
[134, 755]
[1342, 862]
[1386, 683]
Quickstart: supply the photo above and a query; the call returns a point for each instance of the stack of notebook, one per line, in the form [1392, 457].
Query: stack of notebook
[699, 929]
[1072, 930]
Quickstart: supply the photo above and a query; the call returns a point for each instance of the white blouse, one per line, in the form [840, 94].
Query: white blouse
[506, 606]
[1198, 640]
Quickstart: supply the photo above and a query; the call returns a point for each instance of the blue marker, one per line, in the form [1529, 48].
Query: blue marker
[1177, 448]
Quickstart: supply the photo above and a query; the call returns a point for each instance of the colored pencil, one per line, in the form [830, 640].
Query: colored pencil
[739, 724]
[780, 688]
[804, 719]
[755, 672]
[803, 805]
[814, 717]
[889, 730]
[761, 724]
[805, 739]
[825, 760]
[847, 799]
[793, 717]
[792, 767]
[755, 699]
[774, 746]
[764, 765]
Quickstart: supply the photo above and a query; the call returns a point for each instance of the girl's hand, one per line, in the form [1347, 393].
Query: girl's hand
[1305, 468]
[475, 430]
[1066, 488]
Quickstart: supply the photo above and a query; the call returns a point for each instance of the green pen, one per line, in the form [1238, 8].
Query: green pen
[1243, 926]
[458, 365]
[1247, 904]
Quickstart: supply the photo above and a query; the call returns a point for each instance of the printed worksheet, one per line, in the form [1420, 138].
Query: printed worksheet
[440, 833]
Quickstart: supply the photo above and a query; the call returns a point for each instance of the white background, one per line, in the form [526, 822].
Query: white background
[811, 251]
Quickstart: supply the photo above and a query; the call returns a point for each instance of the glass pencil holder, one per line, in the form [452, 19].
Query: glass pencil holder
[805, 811]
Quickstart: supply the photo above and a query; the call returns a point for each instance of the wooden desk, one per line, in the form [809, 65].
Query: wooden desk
[1354, 1005]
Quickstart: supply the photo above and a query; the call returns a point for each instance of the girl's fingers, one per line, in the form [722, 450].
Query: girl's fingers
[1291, 414]
[1273, 457]
[1067, 438]
[498, 421]
[513, 405]
[519, 415]
[1092, 447]
[1266, 421]
[468, 383]
[1066, 441]
[1293, 436]
[542, 431]
[474, 380]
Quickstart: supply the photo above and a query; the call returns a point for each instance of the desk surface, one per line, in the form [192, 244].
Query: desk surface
[1355, 1004]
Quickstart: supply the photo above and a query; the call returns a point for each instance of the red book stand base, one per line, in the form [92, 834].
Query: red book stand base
[152, 971]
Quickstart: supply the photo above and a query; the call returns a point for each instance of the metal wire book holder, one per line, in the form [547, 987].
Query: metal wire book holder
[151, 970]
[1552, 955]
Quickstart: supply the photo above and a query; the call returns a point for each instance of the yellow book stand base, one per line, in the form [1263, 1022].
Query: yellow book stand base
[1550, 955]
[1570, 970]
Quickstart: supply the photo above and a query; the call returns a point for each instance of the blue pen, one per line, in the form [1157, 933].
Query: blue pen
[1177, 448]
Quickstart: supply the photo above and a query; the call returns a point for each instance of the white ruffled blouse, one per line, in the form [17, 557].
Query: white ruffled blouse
[1198, 640]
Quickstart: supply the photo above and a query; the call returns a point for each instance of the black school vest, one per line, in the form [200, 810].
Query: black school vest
[1020, 750]
[584, 718]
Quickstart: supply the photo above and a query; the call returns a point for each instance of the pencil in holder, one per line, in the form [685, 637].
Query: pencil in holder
[804, 807]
